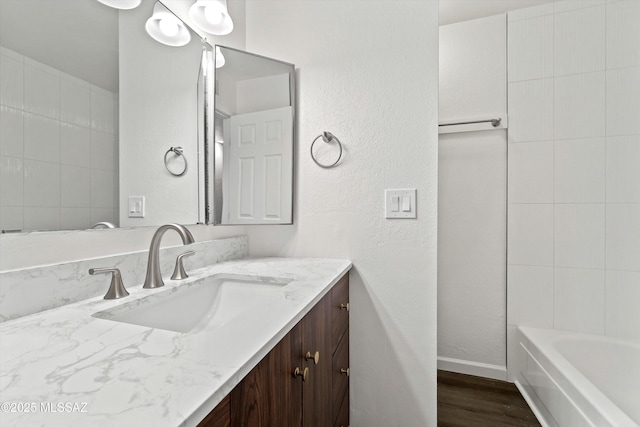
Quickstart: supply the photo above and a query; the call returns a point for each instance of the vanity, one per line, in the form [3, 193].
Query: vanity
[281, 361]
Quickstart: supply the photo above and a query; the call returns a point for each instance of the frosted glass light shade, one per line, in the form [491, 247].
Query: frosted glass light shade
[212, 16]
[164, 27]
[121, 4]
[220, 61]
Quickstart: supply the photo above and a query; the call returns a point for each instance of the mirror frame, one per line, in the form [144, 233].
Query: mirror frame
[209, 167]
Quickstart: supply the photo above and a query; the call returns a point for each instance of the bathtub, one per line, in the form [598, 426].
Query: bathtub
[571, 379]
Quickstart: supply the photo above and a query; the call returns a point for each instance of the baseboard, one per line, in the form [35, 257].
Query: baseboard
[468, 367]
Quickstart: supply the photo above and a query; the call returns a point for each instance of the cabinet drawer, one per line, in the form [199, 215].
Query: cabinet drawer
[339, 310]
[340, 379]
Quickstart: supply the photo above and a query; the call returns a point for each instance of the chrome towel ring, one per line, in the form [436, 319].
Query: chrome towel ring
[328, 138]
[177, 151]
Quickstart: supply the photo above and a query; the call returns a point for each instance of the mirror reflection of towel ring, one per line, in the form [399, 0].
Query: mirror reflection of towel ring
[328, 138]
[177, 151]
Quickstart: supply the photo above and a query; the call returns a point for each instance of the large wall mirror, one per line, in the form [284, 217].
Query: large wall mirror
[251, 181]
[90, 104]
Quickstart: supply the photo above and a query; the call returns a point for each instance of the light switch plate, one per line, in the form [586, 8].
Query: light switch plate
[136, 206]
[395, 203]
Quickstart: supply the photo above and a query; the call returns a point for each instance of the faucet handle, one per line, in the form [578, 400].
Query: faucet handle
[178, 272]
[116, 288]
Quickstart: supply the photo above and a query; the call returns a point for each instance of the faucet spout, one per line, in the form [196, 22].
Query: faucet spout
[153, 278]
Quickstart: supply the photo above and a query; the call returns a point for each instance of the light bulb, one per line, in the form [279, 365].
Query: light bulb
[213, 14]
[168, 27]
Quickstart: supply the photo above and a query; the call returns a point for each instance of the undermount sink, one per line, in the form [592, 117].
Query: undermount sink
[211, 301]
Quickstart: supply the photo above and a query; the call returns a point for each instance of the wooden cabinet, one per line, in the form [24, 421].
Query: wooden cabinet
[340, 353]
[317, 346]
[318, 396]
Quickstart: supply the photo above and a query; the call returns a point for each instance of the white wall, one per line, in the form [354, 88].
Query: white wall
[264, 93]
[58, 148]
[472, 185]
[574, 168]
[367, 72]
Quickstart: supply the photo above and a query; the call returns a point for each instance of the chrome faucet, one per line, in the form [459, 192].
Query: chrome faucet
[154, 275]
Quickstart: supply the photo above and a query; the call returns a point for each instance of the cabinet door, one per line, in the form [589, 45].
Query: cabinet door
[339, 310]
[316, 390]
[270, 395]
[340, 380]
[219, 417]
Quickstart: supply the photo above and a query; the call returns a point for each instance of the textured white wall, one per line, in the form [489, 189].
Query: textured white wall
[367, 72]
[574, 169]
[472, 185]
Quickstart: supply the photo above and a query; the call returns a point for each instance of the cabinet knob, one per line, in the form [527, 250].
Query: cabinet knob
[344, 306]
[315, 356]
[301, 373]
[345, 371]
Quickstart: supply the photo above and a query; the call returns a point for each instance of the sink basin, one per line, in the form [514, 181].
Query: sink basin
[211, 301]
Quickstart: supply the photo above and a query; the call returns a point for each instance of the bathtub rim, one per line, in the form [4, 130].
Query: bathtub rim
[587, 399]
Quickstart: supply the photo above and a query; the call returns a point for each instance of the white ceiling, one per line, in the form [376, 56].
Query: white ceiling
[464, 10]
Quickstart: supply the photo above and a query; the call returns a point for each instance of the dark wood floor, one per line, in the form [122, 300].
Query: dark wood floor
[468, 401]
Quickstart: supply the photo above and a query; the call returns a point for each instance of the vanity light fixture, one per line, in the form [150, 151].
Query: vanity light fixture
[212, 16]
[220, 61]
[166, 28]
[121, 4]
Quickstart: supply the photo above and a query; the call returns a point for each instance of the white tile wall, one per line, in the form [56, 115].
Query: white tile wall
[74, 147]
[41, 138]
[579, 300]
[11, 217]
[531, 110]
[11, 79]
[75, 101]
[530, 234]
[579, 167]
[103, 151]
[75, 218]
[530, 12]
[102, 189]
[11, 181]
[579, 105]
[622, 302]
[531, 172]
[41, 218]
[568, 5]
[58, 148]
[623, 169]
[75, 187]
[579, 238]
[41, 183]
[534, 57]
[11, 135]
[530, 296]
[588, 205]
[623, 236]
[579, 40]
[623, 101]
[623, 34]
[41, 89]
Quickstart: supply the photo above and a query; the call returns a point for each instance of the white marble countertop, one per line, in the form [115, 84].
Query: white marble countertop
[64, 367]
